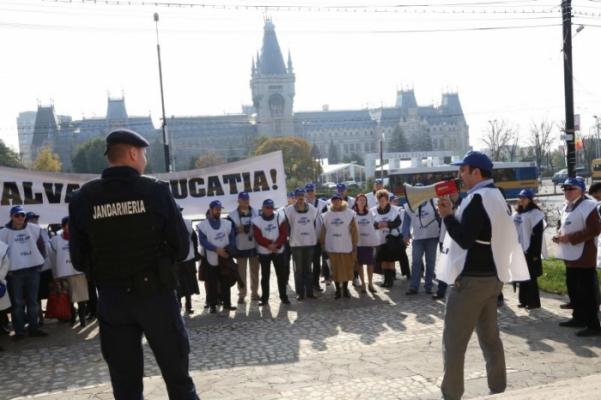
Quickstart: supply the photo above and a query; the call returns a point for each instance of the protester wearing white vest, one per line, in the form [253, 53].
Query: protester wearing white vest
[216, 236]
[187, 282]
[270, 230]
[45, 273]
[387, 222]
[423, 227]
[64, 273]
[4, 297]
[302, 219]
[577, 246]
[26, 252]
[372, 201]
[321, 206]
[368, 240]
[529, 221]
[246, 255]
[481, 251]
[339, 239]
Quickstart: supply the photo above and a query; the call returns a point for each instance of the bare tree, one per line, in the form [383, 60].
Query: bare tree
[500, 136]
[541, 139]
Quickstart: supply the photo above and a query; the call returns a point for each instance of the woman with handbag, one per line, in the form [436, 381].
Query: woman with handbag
[339, 239]
[368, 239]
[63, 272]
[387, 221]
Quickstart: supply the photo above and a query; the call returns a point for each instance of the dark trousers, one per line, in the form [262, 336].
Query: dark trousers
[218, 288]
[584, 295]
[23, 286]
[123, 318]
[326, 272]
[282, 272]
[442, 288]
[303, 276]
[93, 301]
[529, 294]
[404, 261]
[316, 265]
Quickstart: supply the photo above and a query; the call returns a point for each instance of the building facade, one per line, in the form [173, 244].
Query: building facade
[272, 83]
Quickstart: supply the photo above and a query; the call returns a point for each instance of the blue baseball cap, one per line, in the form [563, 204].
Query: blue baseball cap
[215, 204]
[336, 196]
[290, 194]
[475, 159]
[379, 181]
[309, 187]
[268, 203]
[243, 196]
[31, 215]
[341, 187]
[527, 193]
[17, 210]
[577, 182]
[64, 221]
[299, 192]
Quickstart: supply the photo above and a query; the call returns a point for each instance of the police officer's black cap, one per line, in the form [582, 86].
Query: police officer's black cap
[125, 136]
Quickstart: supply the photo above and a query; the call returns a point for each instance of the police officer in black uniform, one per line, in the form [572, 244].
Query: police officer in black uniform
[126, 234]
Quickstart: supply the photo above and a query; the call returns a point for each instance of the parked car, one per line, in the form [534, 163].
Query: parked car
[560, 176]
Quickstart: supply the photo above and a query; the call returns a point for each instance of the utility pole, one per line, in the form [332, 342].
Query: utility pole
[164, 120]
[570, 134]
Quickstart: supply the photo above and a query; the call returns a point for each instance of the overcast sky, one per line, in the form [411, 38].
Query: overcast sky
[74, 54]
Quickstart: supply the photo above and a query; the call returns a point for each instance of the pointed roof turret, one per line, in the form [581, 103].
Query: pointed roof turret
[406, 99]
[252, 67]
[271, 61]
[290, 67]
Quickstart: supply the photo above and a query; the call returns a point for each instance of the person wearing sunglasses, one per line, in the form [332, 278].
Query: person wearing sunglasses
[579, 226]
[26, 253]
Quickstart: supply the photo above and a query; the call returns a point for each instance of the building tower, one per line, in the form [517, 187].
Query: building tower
[272, 87]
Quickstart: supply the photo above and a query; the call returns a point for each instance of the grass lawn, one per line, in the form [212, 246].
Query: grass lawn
[553, 279]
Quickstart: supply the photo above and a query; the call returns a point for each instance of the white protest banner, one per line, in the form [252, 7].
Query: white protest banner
[48, 193]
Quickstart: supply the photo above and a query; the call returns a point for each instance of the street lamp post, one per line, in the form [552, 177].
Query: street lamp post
[168, 167]
[376, 115]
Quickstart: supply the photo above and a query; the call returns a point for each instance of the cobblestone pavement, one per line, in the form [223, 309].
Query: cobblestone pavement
[386, 346]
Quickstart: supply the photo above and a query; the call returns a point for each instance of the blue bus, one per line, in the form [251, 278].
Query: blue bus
[511, 176]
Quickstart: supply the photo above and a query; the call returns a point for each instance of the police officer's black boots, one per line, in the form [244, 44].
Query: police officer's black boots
[338, 293]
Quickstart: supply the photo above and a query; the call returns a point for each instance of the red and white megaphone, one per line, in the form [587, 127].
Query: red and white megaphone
[418, 195]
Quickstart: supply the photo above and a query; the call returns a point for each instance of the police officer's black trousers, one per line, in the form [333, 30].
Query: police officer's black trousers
[218, 288]
[123, 318]
[282, 272]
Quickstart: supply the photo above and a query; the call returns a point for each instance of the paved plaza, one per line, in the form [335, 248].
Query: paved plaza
[386, 346]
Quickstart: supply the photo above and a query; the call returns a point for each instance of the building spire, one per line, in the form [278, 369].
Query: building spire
[290, 67]
[271, 59]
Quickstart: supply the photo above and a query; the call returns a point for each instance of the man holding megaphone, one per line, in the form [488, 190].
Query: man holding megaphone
[480, 252]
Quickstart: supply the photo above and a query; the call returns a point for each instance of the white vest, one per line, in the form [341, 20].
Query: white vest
[4, 267]
[574, 221]
[60, 259]
[23, 251]
[368, 235]
[525, 223]
[506, 250]
[217, 237]
[244, 241]
[338, 231]
[190, 255]
[302, 226]
[270, 229]
[388, 217]
[425, 225]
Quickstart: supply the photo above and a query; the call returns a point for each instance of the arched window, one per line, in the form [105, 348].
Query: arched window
[276, 105]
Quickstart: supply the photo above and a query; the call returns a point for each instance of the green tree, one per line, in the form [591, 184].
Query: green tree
[9, 158]
[421, 142]
[89, 157]
[398, 143]
[333, 153]
[299, 166]
[47, 160]
[209, 160]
